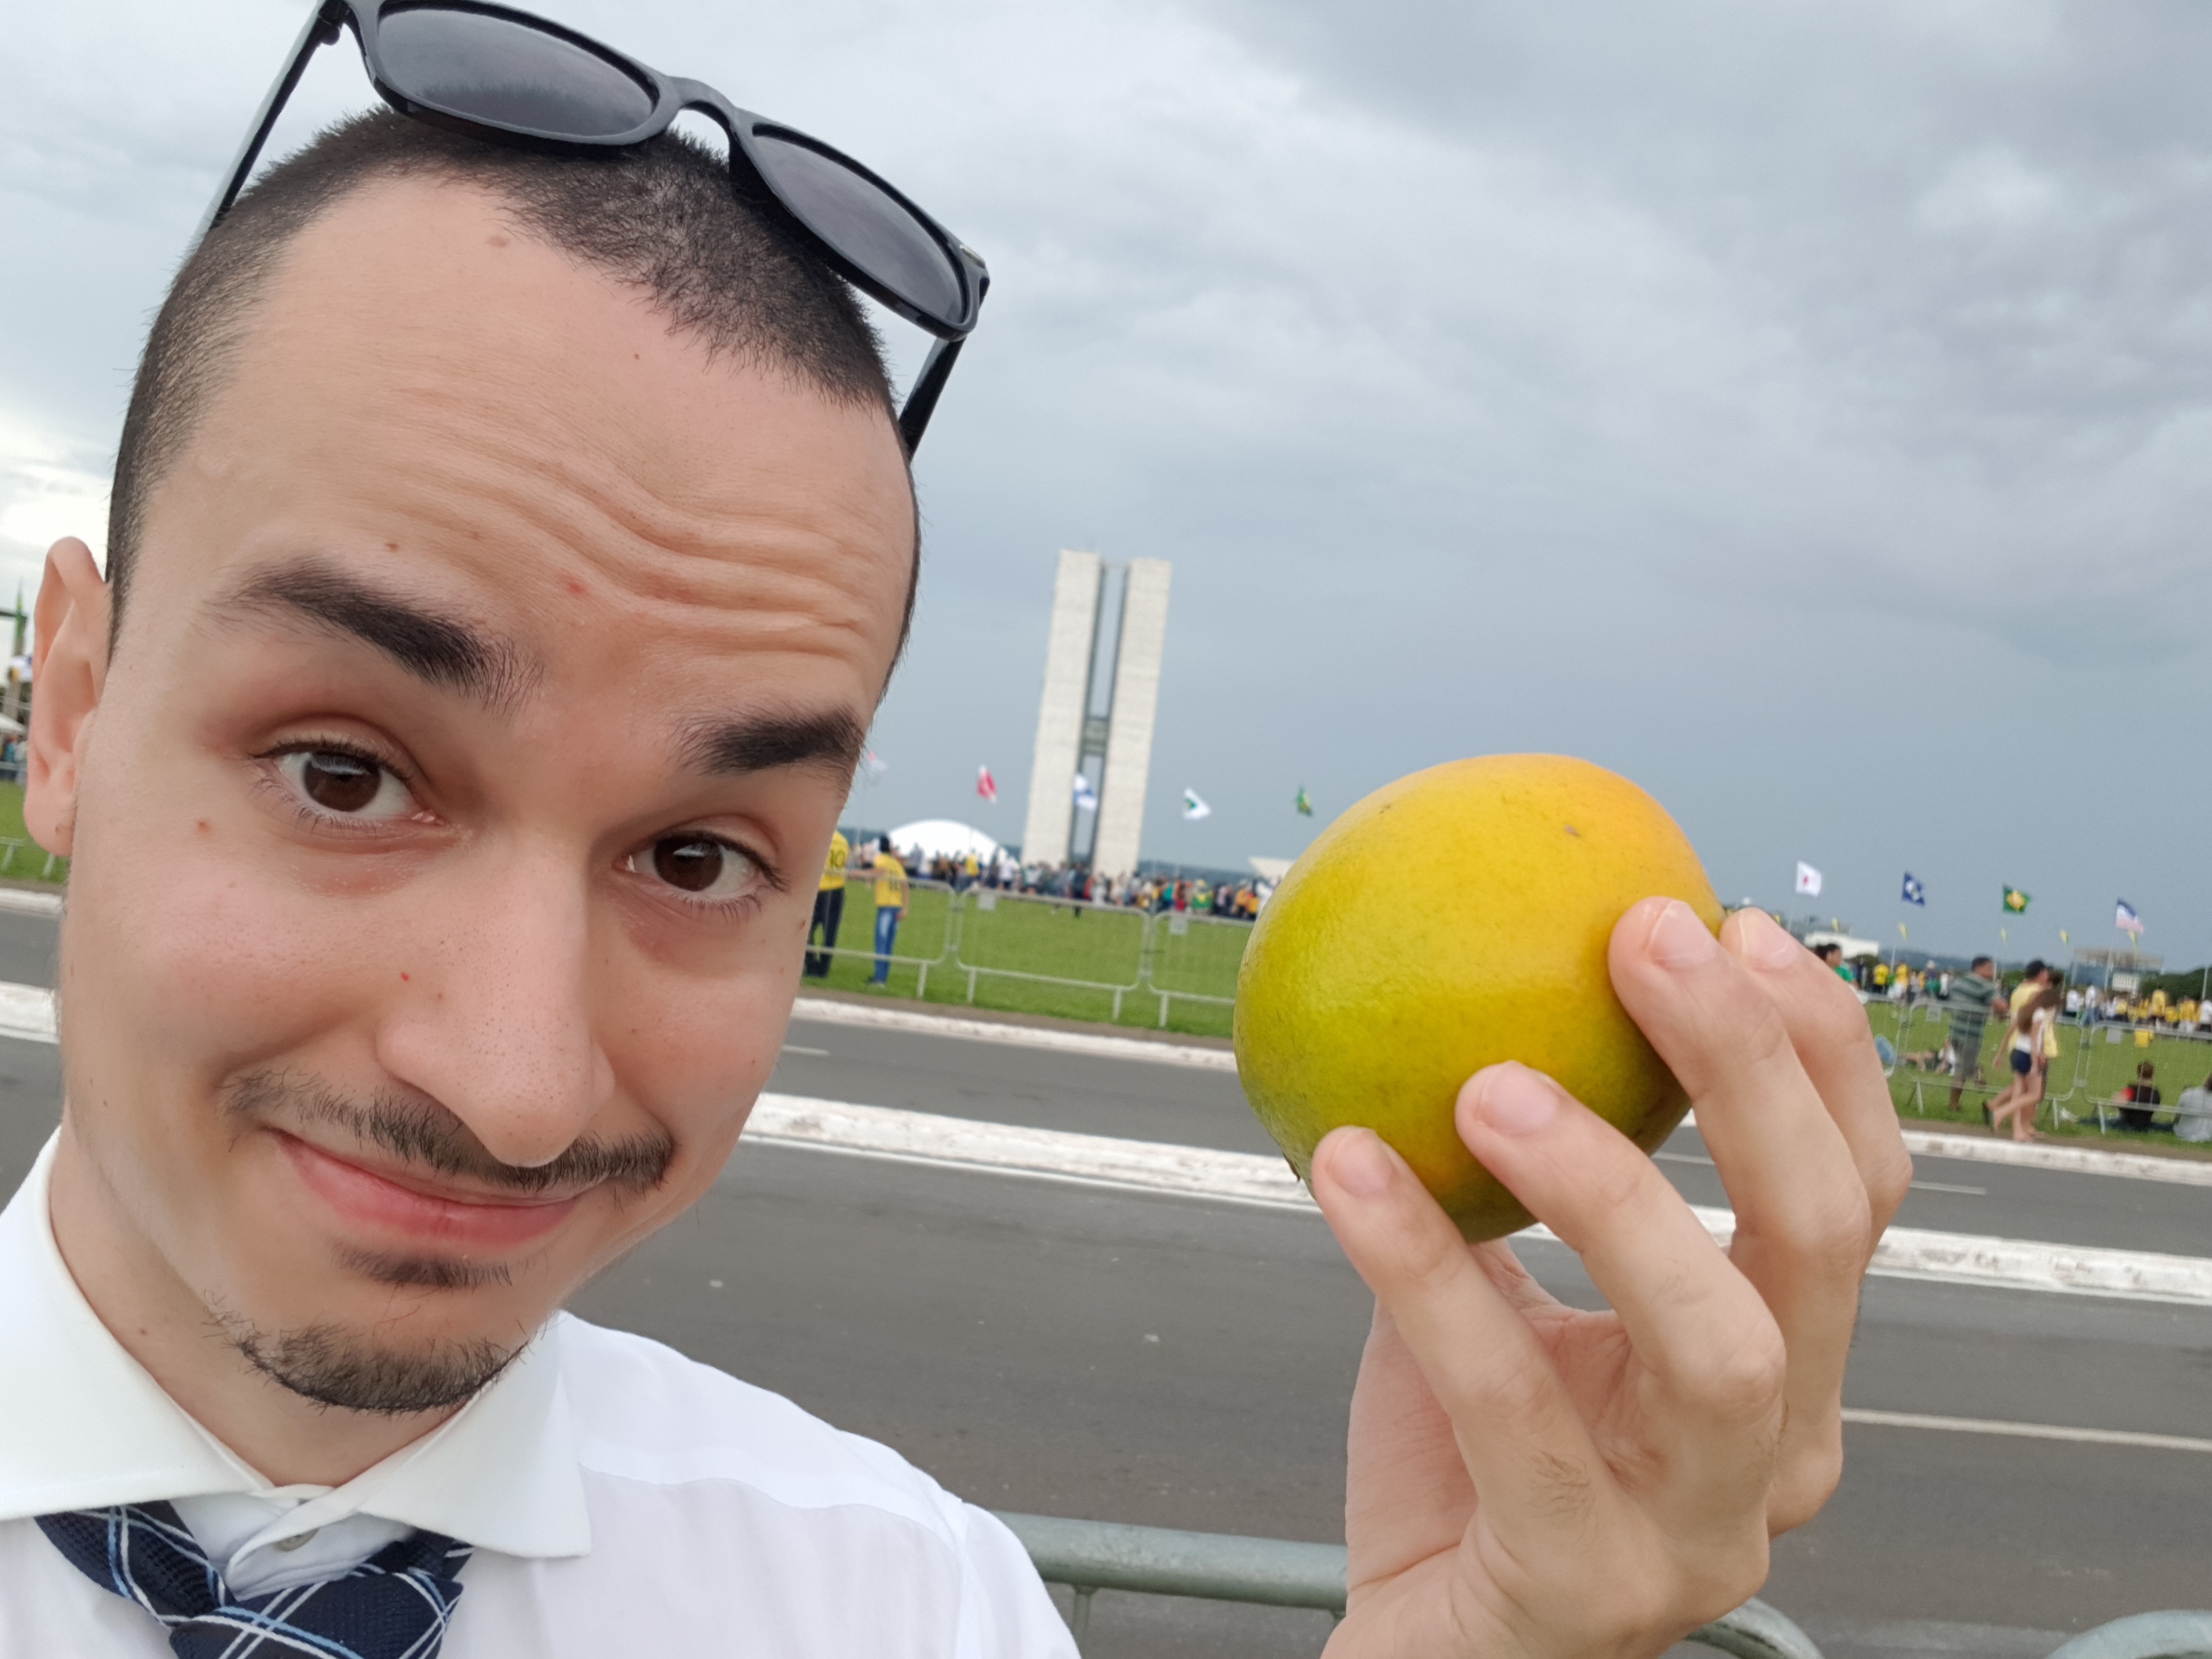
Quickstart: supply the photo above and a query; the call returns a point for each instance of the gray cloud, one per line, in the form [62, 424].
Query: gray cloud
[1802, 409]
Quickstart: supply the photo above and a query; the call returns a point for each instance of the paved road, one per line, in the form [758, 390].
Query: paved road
[1002, 1083]
[1068, 1350]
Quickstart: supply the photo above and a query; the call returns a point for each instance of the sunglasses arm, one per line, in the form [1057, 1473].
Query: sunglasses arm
[922, 402]
[322, 28]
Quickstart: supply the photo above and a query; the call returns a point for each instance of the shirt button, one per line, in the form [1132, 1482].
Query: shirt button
[288, 1544]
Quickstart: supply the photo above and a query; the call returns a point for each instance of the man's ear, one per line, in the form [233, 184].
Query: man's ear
[69, 670]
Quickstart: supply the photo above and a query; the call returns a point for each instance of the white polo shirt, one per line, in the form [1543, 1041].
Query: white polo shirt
[621, 1500]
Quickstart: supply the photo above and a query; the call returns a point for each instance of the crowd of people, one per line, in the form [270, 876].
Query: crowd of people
[1151, 894]
[1903, 983]
[2032, 1009]
[1080, 888]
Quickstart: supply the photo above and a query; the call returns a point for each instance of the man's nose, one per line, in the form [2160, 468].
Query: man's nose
[494, 1019]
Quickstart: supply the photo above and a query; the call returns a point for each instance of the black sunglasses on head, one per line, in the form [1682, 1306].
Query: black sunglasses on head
[501, 73]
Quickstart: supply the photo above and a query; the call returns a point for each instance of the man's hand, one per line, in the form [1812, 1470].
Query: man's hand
[1530, 1480]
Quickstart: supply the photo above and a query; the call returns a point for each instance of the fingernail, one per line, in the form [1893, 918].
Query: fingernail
[1765, 944]
[1515, 1100]
[1678, 938]
[1361, 1163]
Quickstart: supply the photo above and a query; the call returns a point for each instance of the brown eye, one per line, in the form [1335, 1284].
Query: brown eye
[691, 862]
[346, 784]
[699, 864]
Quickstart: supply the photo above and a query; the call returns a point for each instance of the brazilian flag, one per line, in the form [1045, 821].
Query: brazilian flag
[1305, 807]
[2015, 901]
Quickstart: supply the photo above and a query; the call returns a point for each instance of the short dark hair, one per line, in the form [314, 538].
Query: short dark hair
[1982, 962]
[2037, 966]
[663, 216]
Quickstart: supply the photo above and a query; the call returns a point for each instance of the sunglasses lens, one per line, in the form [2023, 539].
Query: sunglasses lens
[507, 74]
[868, 227]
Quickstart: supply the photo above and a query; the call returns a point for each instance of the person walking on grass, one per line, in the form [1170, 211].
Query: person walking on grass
[2033, 1012]
[890, 906]
[1974, 997]
[2037, 980]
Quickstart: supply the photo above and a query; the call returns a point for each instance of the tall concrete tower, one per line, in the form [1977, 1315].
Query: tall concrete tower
[1102, 693]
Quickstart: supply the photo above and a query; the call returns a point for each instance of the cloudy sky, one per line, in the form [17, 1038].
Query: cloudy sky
[1803, 409]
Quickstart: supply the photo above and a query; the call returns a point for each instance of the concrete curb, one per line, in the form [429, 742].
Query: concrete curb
[2034, 1155]
[30, 902]
[1253, 1178]
[26, 1012]
[2042, 1155]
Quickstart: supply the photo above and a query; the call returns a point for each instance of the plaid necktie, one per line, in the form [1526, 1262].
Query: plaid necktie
[393, 1605]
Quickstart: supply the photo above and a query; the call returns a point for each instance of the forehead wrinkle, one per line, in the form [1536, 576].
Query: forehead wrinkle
[777, 584]
[593, 501]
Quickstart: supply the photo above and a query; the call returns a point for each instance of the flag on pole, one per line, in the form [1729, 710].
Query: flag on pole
[2015, 901]
[1086, 797]
[985, 785]
[1305, 807]
[1193, 808]
[1809, 879]
[1914, 892]
[2127, 920]
[2062, 939]
[1902, 934]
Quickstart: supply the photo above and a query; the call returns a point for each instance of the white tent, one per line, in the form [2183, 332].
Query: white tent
[935, 836]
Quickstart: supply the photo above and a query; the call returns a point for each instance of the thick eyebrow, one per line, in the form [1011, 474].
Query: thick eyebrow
[830, 742]
[442, 651]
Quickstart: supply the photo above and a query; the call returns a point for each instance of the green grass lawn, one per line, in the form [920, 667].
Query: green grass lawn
[21, 858]
[1032, 955]
[1008, 957]
[1033, 943]
[2093, 1064]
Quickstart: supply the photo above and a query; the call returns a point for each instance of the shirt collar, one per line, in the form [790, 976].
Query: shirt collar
[83, 1425]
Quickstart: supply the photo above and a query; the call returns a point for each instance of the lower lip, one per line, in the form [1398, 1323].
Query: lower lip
[371, 1203]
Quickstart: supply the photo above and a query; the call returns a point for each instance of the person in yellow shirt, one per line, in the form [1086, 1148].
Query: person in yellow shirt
[891, 905]
[828, 905]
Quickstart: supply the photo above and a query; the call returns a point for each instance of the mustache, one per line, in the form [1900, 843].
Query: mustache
[416, 1130]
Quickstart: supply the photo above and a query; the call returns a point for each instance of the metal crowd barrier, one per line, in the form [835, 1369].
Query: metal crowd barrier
[1089, 1556]
[1151, 974]
[2076, 1084]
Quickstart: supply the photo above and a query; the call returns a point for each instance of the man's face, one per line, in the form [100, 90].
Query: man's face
[445, 835]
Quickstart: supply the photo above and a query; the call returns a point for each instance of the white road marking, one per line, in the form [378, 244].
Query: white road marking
[2047, 1155]
[1017, 1037]
[811, 1054]
[2027, 1430]
[25, 1011]
[1946, 1187]
[2037, 1155]
[30, 901]
[1253, 1178]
